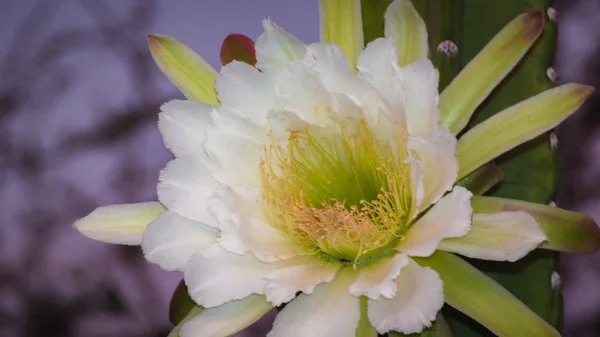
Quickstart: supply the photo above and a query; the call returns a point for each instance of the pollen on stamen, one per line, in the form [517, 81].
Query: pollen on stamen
[345, 196]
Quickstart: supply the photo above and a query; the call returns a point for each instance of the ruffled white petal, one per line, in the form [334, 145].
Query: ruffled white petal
[185, 186]
[171, 240]
[119, 224]
[216, 276]
[275, 47]
[502, 236]
[449, 218]
[301, 91]
[182, 124]
[298, 274]
[226, 320]
[243, 88]
[420, 90]
[328, 311]
[331, 65]
[378, 66]
[376, 279]
[418, 299]
[254, 236]
[233, 143]
[434, 167]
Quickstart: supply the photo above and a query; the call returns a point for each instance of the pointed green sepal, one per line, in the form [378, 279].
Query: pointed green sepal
[482, 179]
[224, 320]
[407, 28]
[473, 293]
[186, 69]
[181, 304]
[518, 124]
[365, 329]
[196, 310]
[238, 47]
[475, 82]
[566, 231]
[341, 24]
[439, 328]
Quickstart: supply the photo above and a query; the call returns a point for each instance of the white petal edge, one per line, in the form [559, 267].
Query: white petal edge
[420, 90]
[243, 231]
[418, 299]
[242, 139]
[502, 236]
[328, 311]
[226, 320]
[119, 224]
[216, 276]
[185, 186]
[275, 47]
[449, 218]
[182, 125]
[298, 274]
[171, 240]
[434, 167]
[377, 65]
[242, 235]
[243, 88]
[376, 279]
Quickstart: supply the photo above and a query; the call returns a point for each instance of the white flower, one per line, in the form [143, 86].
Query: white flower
[328, 178]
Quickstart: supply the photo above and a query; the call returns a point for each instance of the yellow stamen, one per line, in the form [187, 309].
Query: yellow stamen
[344, 193]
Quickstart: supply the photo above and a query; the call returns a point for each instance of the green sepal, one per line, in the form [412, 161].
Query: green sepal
[566, 231]
[480, 297]
[181, 304]
[482, 179]
[186, 69]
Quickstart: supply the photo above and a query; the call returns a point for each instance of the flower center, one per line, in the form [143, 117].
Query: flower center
[345, 193]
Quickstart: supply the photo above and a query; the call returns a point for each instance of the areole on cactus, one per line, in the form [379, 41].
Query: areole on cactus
[329, 178]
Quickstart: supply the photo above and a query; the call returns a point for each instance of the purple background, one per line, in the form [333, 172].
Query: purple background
[79, 97]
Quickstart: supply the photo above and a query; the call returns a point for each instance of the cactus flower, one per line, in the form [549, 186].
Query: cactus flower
[324, 178]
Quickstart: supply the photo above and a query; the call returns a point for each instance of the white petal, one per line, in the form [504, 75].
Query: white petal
[331, 65]
[301, 91]
[435, 167]
[182, 125]
[171, 240]
[502, 236]
[233, 143]
[243, 88]
[328, 311]
[241, 235]
[449, 218]
[226, 320]
[216, 276]
[298, 274]
[119, 224]
[376, 279]
[378, 66]
[275, 47]
[420, 89]
[418, 299]
[185, 186]
[243, 230]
